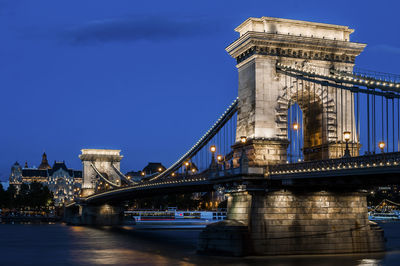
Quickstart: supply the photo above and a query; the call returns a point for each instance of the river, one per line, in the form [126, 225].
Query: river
[59, 244]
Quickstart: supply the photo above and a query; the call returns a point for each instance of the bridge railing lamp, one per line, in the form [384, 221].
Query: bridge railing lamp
[382, 146]
[213, 149]
[243, 139]
[346, 137]
[295, 126]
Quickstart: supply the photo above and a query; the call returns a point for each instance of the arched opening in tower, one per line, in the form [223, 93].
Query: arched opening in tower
[306, 125]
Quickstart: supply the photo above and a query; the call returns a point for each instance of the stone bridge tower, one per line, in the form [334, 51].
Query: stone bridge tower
[265, 95]
[102, 161]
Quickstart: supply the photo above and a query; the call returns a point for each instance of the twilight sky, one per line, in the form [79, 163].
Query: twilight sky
[146, 77]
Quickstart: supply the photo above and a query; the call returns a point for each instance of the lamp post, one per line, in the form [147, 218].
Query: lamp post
[295, 126]
[187, 163]
[382, 146]
[346, 136]
[220, 159]
[213, 149]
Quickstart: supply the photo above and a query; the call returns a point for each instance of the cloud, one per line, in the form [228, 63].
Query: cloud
[387, 48]
[134, 29]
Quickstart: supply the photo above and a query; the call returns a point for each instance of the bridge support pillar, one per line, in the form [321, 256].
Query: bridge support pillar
[262, 152]
[285, 222]
[101, 215]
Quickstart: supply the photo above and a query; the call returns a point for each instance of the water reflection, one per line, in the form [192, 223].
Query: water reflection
[73, 245]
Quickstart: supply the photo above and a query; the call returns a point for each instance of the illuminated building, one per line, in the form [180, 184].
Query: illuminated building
[64, 183]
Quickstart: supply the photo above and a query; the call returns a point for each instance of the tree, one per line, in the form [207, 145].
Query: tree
[3, 197]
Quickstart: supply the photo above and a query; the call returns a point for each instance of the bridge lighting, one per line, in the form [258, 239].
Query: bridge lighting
[295, 126]
[243, 139]
[382, 145]
[159, 169]
[346, 136]
[173, 174]
[220, 158]
[213, 148]
[187, 163]
[142, 173]
[193, 170]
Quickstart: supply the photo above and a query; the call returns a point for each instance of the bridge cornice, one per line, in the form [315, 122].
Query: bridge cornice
[298, 47]
[100, 157]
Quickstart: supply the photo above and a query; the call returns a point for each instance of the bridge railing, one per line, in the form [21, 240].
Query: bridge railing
[365, 161]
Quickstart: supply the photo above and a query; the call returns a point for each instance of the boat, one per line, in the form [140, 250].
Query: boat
[384, 216]
[385, 211]
[174, 216]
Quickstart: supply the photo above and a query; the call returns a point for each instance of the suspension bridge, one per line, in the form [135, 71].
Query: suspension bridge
[294, 153]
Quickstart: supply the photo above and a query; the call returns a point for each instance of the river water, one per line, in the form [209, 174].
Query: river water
[59, 244]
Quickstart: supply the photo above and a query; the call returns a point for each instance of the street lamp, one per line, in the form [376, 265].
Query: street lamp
[220, 158]
[295, 126]
[382, 146]
[243, 139]
[213, 149]
[346, 136]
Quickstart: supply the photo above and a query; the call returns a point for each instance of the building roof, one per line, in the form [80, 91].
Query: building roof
[152, 168]
[45, 164]
[30, 172]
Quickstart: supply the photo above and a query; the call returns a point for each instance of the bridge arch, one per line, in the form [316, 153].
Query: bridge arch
[318, 120]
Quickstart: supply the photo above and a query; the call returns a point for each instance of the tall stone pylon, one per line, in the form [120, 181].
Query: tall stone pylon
[99, 161]
[265, 95]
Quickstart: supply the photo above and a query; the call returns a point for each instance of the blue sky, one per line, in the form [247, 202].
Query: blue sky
[146, 77]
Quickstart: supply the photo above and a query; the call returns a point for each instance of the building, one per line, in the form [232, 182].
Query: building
[65, 183]
[150, 169]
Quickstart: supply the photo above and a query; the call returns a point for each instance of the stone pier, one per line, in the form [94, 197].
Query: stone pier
[93, 215]
[285, 222]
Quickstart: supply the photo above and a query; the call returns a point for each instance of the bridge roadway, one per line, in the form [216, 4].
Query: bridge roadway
[361, 172]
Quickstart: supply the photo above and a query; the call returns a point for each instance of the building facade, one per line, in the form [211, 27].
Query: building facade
[63, 182]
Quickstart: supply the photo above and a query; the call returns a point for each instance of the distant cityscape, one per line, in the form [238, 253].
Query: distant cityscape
[65, 185]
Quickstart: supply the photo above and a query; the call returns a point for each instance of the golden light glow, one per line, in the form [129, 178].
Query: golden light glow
[243, 139]
[173, 174]
[186, 163]
[219, 157]
[295, 126]
[193, 170]
[159, 169]
[142, 173]
[381, 145]
[213, 148]
[346, 135]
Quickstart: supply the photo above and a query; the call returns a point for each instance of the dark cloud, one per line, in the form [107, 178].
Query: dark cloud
[134, 29]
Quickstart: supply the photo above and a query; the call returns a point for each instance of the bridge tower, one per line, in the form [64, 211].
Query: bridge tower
[265, 96]
[99, 164]
[267, 217]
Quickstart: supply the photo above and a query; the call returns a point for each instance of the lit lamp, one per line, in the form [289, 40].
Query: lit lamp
[142, 173]
[346, 136]
[220, 158]
[382, 146]
[213, 149]
[243, 139]
[159, 169]
[295, 126]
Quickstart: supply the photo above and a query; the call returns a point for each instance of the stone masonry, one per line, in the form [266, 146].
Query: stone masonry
[101, 159]
[265, 95]
[284, 222]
